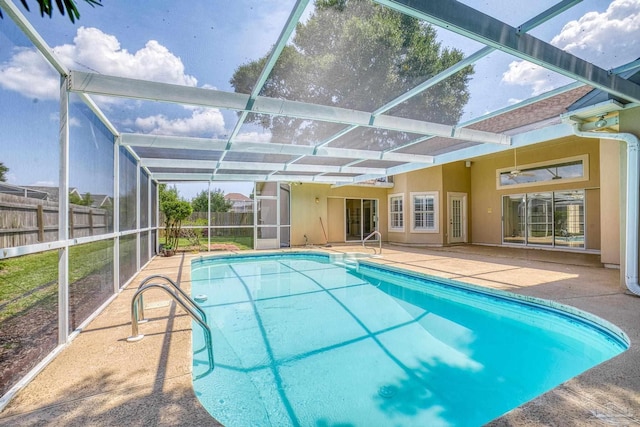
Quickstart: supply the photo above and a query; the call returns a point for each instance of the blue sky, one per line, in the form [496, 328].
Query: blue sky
[203, 43]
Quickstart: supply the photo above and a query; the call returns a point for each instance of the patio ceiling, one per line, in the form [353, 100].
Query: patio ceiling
[343, 148]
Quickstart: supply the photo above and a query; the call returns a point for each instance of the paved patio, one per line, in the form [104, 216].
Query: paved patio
[102, 380]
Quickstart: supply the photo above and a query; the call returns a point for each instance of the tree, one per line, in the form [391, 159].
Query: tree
[85, 200]
[46, 7]
[175, 210]
[167, 193]
[218, 202]
[358, 55]
[3, 172]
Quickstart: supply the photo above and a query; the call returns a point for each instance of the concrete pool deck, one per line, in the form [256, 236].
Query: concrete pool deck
[100, 379]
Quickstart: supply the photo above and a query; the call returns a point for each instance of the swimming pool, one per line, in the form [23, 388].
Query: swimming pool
[307, 339]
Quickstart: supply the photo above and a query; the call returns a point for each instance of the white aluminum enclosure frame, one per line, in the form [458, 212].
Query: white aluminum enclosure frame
[455, 16]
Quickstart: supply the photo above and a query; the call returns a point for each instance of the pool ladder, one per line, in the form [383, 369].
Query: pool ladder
[374, 233]
[187, 304]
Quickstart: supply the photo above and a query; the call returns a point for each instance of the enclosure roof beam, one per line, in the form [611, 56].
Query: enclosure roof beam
[467, 61]
[187, 143]
[536, 136]
[258, 166]
[483, 28]
[100, 84]
[324, 179]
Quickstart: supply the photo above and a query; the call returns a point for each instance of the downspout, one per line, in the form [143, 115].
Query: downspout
[633, 196]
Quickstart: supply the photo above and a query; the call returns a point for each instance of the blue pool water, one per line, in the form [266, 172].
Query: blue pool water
[301, 340]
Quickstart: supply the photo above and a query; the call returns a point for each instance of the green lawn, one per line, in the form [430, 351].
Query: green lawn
[26, 280]
[29, 280]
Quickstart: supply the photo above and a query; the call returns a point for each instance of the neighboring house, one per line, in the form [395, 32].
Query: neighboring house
[98, 201]
[53, 192]
[101, 201]
[240, 202]
[21, 191]
[35, 191]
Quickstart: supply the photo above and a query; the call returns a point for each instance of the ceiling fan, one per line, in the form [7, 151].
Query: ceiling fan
[517, 172]
[554, 175]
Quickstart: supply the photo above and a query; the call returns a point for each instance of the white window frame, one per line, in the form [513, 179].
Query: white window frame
[436, 208]
[392, 213]
[584, 158]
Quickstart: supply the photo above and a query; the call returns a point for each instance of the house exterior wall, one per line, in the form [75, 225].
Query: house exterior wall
[336, 219]
[326, 216]
[611, 151]
[486, 203]
[424, 180]
[323, 221]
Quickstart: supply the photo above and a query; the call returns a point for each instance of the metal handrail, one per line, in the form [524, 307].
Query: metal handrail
[374, 233]
[135, 301]
[174, 286]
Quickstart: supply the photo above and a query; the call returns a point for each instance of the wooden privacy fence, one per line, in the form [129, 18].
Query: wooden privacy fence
[26, 221]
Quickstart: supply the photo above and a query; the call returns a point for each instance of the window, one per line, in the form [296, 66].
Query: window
[571, 169]
[396, 212]
[424, 212]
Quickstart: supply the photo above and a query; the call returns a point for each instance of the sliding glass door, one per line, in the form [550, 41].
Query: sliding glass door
[569, 219]
[553, 219]
[514, 219]
[361, 218]
[540, 219]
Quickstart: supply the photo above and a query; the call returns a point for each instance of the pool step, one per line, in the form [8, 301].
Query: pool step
[350, 264]
[349, 260]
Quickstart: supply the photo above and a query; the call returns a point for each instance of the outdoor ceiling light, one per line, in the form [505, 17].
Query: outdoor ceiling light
[601, 123]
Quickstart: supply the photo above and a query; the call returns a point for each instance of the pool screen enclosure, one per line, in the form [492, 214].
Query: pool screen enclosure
[99, 113]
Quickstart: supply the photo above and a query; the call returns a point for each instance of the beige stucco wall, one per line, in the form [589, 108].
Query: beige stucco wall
[336, 219]
[429, 179]
[323, 220]
[485, 207]
[610, 155]
[326, 216]
[486, 204]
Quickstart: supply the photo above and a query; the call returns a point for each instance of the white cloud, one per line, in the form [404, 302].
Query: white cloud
[97, 51]
[25, 67]
[607, 39]
[204, 122]
[44, 184]
[524, 73]
[73, 121]
[254, 137]
[102, 52]
[613, 33]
